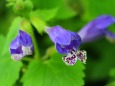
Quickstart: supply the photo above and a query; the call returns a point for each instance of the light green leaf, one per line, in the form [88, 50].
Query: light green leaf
[38, 24]
[45, 14]
[46, 4]
[98, 7]
[12, 33]
[53, 73]
[112, 72]
[2, 42]
[23, 7]
[65, 11]
[9, 71]
[111, 84]
[39, 17]
[112, 28]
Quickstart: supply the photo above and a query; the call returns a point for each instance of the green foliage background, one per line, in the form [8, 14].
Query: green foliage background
[45, 66]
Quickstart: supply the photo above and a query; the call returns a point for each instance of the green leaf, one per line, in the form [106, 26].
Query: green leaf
[2, 42]
[111, 29]
[100, 59]
[98, 7]
[12, 34]
[53, 72]
[9, 71]
[46, 4]
[111, 84]
[65, 11]
[39, 17]
[112, 72]
[22, 7]
[45, 14]
[112, 77]
[38, 24]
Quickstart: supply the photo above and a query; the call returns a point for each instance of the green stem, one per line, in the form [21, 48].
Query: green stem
[45, 57]
[49, 53]
[36, 49]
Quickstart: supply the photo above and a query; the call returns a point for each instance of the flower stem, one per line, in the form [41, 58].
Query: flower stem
[49, 53]
[36, 49]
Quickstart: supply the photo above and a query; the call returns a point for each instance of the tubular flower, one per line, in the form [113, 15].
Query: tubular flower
[97, 29]
[21, 46]
[66, 42]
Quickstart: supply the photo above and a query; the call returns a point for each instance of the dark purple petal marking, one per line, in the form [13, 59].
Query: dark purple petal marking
[73, 55]
[17, 50]
[70, 59]
[82, 55]
[21, 46]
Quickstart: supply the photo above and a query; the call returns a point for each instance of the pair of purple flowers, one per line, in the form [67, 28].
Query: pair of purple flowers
[66, 42]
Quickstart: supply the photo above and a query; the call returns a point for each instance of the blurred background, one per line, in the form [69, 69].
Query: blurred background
[99, 69]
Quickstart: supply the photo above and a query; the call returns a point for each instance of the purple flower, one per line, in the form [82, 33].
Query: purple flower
[66, 42]
[21, 46]
[97, 28]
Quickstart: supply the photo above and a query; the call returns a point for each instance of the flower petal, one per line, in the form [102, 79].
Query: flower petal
[70, 59]
[92, 35]
[61, 49]
[102, 22]
[94, 29]
[16, 51]
[16, 57]
[24, 38]
[76, 39]
[109, 34]
[82, 55]
[15, 43]
[59, 35]
[75, 43]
